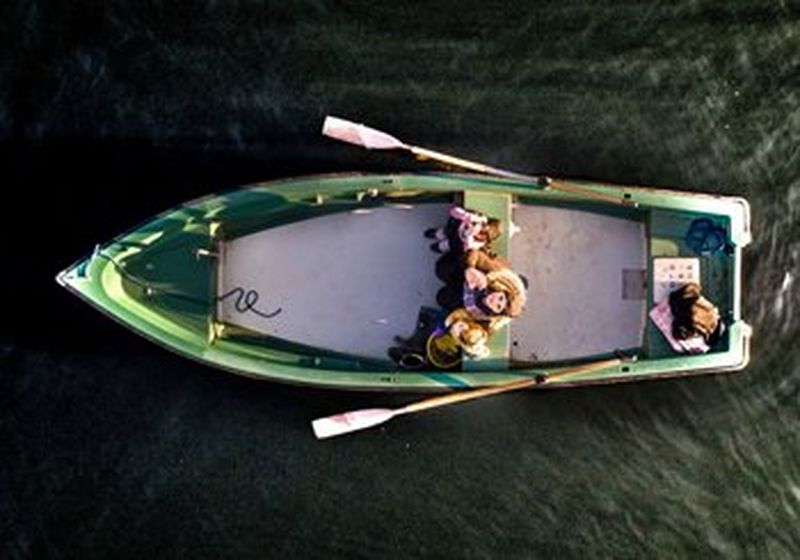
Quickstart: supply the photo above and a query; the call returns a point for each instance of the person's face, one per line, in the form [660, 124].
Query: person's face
[496, 301]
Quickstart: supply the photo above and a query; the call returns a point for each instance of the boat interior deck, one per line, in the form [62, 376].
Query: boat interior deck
[346, 282]
[350, 282]
[587, 283]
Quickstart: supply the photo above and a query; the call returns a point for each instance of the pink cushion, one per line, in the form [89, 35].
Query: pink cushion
[662, 317]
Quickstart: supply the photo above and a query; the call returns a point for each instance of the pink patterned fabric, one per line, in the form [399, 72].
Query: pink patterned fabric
[470, 228]
[662, 317]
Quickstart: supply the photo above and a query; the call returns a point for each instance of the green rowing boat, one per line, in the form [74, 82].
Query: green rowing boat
[310, 280]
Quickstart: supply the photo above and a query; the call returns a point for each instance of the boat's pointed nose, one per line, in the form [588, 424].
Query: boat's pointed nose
[67, 277]
[76, 272]
[62, 278]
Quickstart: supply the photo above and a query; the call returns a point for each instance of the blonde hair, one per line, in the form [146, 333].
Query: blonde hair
[507, 281]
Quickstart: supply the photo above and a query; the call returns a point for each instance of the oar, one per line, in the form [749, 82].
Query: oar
[361, 419]
[374, 139]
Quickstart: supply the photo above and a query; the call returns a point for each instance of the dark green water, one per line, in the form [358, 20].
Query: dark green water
[113, 111]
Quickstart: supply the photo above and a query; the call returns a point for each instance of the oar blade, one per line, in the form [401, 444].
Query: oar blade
[360, 135]
[350, 421]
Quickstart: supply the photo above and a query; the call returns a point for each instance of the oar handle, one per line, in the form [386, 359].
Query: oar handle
[574, 189]
[425, 153]
[461, 396]
[586, 368]
[453, 398]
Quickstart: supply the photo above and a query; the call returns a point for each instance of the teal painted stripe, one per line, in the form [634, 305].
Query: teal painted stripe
[449, 380]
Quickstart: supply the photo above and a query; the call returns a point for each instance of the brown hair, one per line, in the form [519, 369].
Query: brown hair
[692, 314]
[475, 330]
[494, 228]
[475, 333]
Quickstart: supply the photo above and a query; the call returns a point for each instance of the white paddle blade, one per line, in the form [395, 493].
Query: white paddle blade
[359, 135]
[350, 422]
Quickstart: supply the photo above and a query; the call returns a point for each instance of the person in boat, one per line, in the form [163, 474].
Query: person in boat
[441, 342]
[465, 230]
[460, 335]
[470, 335]
[693, 316]
[484, 285]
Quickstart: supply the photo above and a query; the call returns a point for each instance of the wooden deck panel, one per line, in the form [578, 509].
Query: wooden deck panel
[580, 267]
[347, 282]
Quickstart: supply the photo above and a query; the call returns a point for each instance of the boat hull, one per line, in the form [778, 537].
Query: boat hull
[167, 280]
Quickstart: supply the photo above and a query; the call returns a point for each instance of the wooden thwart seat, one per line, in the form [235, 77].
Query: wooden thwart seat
[493, 205]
